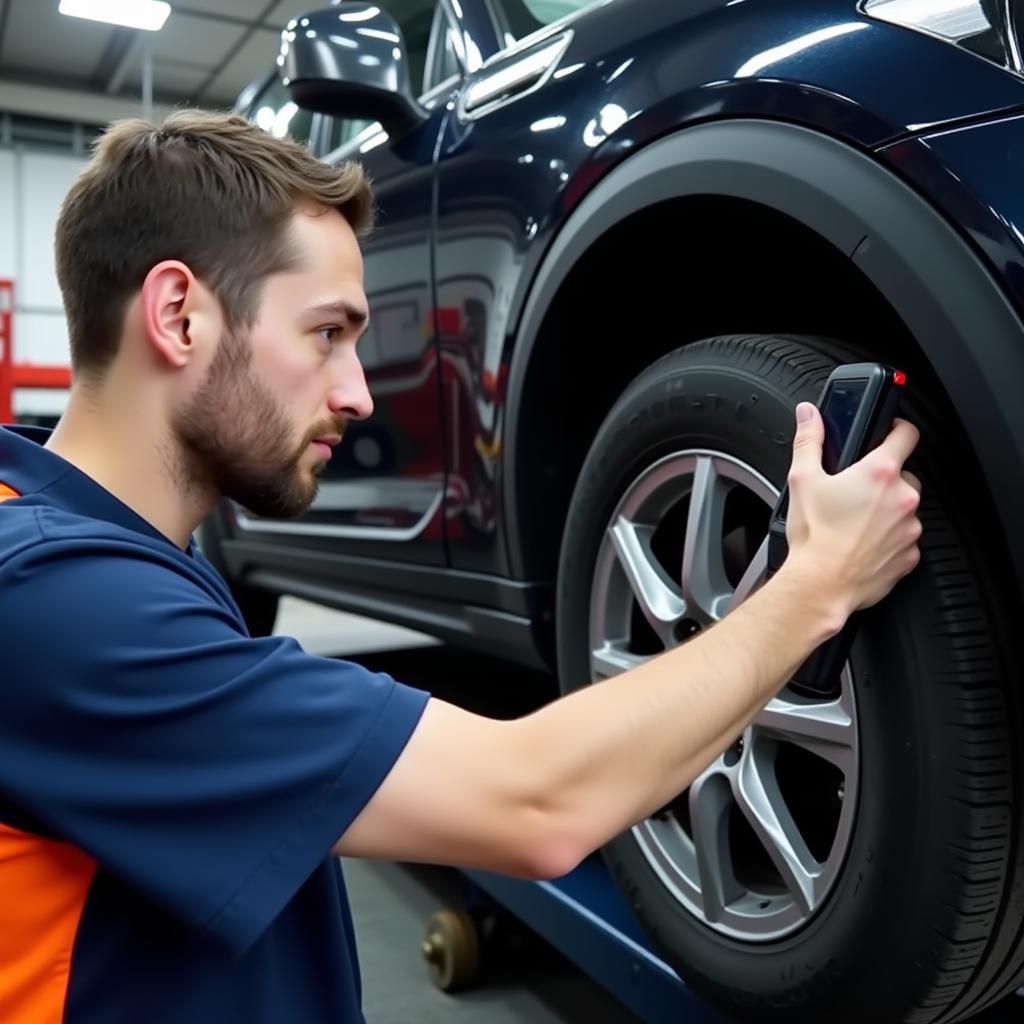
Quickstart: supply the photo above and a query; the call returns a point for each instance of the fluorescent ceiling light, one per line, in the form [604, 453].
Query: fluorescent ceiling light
[145, 14]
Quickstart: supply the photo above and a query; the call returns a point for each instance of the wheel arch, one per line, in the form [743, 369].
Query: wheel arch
[896, 263]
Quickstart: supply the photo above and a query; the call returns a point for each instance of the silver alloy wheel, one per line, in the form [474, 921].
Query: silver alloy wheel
[756, 843]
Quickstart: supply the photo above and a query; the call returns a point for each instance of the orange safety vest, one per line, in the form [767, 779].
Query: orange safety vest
[43, 887]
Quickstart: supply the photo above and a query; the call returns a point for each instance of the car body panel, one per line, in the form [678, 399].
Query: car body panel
[632, 71]
[516, 189]
[973, 173]
[940, 288]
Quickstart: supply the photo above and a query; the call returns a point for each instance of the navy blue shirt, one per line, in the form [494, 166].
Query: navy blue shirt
[170, 788]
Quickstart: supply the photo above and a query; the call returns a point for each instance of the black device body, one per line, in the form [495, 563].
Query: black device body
[858, 405]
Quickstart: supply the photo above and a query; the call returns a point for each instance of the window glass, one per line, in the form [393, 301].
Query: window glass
[526, 16]
[445, 60]
[275, 112]
[345, 129]
[414, 18]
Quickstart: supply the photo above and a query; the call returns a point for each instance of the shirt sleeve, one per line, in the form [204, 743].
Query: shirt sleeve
[210, 771]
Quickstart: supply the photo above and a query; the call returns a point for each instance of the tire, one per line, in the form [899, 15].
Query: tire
[258, 606]
[921, 918]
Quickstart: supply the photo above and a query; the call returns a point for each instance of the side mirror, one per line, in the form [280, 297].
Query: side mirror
[350, 61]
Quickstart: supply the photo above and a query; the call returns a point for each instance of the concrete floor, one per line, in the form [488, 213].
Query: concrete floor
[391, 904]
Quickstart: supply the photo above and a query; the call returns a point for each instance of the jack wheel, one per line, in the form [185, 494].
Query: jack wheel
[451, 948]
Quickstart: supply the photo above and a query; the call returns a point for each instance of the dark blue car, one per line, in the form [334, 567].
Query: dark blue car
[618, 241]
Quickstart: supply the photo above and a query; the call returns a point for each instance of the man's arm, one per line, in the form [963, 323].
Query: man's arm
[532, 797]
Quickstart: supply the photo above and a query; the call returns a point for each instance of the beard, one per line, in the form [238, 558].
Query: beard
[233, 439]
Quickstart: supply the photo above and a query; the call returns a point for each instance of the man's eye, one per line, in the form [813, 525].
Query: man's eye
[330, 334]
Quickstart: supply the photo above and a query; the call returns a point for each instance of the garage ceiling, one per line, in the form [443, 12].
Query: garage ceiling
[206, 53]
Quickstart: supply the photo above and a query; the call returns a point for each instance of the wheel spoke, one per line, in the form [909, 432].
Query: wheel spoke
[753, 578]
[824, 729]
[710, 799]
[752, 878]
[706, 588]
[759, 799]
[659, 598]
[611, 659]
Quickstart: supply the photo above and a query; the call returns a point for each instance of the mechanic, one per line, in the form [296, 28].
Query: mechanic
[171, 790]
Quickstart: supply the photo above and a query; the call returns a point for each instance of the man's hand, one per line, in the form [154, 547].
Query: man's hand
[854, 534]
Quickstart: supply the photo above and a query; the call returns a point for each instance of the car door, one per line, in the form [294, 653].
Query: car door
[381, 496]
[498, 166]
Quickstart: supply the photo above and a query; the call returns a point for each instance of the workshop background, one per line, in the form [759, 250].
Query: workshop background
[61, 80]
[619, 240]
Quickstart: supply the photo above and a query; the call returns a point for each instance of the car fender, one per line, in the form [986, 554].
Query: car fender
[923, 266]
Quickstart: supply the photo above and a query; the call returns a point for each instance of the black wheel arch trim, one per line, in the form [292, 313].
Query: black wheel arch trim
[927, 271]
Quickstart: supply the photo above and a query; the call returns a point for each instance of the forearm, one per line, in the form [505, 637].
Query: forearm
[606, 756]
[533, 796]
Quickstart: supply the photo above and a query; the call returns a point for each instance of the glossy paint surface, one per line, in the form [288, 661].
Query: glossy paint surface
[474, 195]
[632, 71]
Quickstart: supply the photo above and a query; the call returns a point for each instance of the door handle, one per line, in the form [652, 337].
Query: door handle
[512, 76]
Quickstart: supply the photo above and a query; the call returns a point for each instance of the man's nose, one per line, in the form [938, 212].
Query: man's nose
[349, 394]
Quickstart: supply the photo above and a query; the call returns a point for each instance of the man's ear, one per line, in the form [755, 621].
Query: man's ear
[171, 296]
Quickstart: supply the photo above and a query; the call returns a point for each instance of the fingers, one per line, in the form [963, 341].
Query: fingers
[809, 438]
[909, 478]
[902, 440]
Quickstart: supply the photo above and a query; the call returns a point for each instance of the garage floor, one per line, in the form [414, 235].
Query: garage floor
[392, 902]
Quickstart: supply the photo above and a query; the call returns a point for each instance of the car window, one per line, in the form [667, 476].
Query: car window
[526, 16]
[275, 112]
[344, 129]
[414, 18]
[442, 57]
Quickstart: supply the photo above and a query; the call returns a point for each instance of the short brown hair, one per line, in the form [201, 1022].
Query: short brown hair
[210, 189]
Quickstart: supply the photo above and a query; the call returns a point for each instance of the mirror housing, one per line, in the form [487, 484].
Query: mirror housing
[350, 61]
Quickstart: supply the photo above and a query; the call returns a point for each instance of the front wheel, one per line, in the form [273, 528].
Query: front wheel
[843, 860]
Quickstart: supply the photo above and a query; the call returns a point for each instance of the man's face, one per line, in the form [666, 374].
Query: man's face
[261, 426]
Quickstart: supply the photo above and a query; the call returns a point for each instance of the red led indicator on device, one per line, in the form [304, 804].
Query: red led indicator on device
[900, 378]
